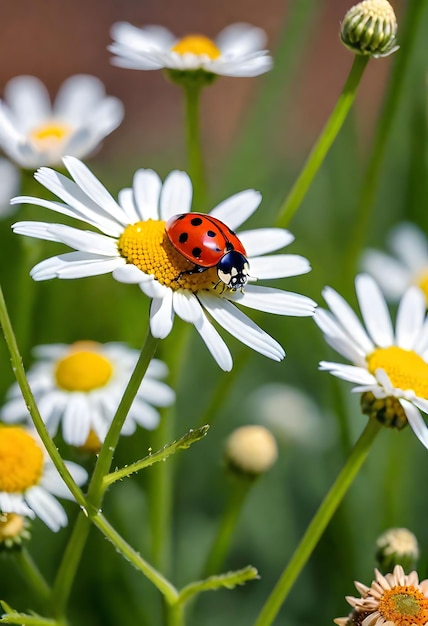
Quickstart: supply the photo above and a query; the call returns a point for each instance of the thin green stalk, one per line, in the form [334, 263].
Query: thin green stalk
[318, 524]
[192, 94]
[175, 614]
[226, 529]
[108, 447]
[383, 130]
[32, 574]
[328, 135]
[19, 371]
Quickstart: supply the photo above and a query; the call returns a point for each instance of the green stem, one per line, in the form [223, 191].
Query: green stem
[318, 524]
[221, 543]
[32, 574]
[192, 94]
[175, 614]
[383, 129]
[102, 467]
[328, 135]
[19, 371]
[168, 591]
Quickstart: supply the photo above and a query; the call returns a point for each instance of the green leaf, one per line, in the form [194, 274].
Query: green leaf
[13, 617]
[213, 583]
[161, 455]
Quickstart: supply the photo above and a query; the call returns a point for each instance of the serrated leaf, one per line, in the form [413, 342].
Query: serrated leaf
[13, 617]
[161, 455]
[228, 580]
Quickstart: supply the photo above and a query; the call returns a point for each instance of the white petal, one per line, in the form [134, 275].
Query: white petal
[259, 64]
[187, 306]
[76, 422]
[348, 372]
[240, 39]
[83, 240]
[410, 244]
[215, 344]
[392, 277]
[129, 273]
[265, 240]
[241, 327]
[176, 196]
[278, 266]
[142, 39]
[421, 403]
[348, 319]
[156, 392]
[126, 201]
[54, 483]
[410, 318]
[29, 100]
[238, 208]
[374, 311]
[14, 503]
[338, 338]
[161, 316]
[416, 421]
[273, 300]
[47, 508]
[154, 289]
[147, 188]
[74, 265]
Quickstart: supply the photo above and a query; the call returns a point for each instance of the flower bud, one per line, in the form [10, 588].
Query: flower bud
[397, 546]
[370, 28]
[14, 529]
[251, 450]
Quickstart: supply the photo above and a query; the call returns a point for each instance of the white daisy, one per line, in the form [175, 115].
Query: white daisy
[387, 366]
[81, 385]
[135, 247]
[29, 480]
[408, 265]
[9, 186]
[236, 51]
[34, 132]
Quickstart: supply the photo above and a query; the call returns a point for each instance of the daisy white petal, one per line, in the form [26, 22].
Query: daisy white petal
[239, 39]
[47, 508]
[238, 208]
[410, 318]
[214, 343]
[147, 188]
[374, 310]
[279, 266]
[74, 265]
[161, 316]
[416, 421]
[410, 244]
[390, 274]
[273, 300]
[265, 240]
[128, 274]
[347, 318]
[187, 306]
[348, 372]
[176, 196]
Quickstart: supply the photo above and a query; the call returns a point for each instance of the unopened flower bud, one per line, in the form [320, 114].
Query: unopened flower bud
[370, 28]
[14, 529]
[397, 546]
[251, 450]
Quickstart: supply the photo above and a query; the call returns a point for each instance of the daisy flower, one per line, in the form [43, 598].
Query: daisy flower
[34, 132]
[391, 600]
[29, 480]
[408, 264]
[81, 385]
[390, 368]
[134, 246]
[236, 51]
[9, 186]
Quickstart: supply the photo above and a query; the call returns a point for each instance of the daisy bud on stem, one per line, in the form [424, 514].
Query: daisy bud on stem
[370, 28]
[397, 546]
[251, 451]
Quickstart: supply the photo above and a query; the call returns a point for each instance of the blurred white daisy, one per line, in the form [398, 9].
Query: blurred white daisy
[80, 386]
[135, 247]
[238, 50]
[35, 132]
[29, 480]
[390, 368]
[408, 264]
[9, 186]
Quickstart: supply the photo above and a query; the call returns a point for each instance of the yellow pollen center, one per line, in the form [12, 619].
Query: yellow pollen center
[83, 369]
[49, 135]
[146, 245]
[197, 44]
[404, 606]
[21, 460]
[406, 369]
[92, 443]
[11, 525]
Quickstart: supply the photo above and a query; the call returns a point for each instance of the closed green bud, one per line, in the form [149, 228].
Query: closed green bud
[370, 28]
[397, 546]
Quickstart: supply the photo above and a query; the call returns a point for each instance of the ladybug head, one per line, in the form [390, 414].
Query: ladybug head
[232, 270]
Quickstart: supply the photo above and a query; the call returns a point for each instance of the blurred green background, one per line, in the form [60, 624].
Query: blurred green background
[257, 133]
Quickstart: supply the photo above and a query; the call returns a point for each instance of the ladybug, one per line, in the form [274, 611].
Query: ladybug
[207, 242]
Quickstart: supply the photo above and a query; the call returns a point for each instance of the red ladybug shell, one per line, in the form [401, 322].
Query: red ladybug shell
[201, 238]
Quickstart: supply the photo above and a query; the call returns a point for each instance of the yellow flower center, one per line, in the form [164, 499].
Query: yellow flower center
[422, 282]
[92, 443]
[406, 369]
[21, 460]
[197, 44]
[11, 525]
[146, 245]
[84, 369]
[49, 135]
[404, 606]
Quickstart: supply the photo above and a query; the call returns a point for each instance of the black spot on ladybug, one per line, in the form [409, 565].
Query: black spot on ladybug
[181, 217]
[196, 252]
[183, 237]
[196, 221]
[229, 246]
[231, 231]
[210, 233]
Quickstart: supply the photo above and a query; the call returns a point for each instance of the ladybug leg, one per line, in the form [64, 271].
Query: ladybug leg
[196, 269]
